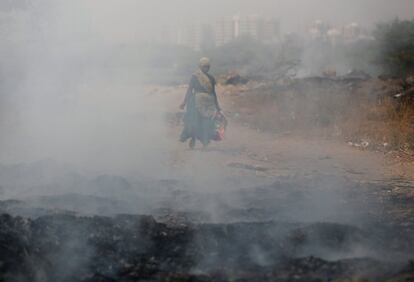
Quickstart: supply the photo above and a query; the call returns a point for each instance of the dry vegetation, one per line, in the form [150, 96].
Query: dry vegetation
[362, 112]
[388, 122]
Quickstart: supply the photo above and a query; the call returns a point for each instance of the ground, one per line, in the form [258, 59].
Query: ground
[250, 153]
[287, 153]
[258, 206]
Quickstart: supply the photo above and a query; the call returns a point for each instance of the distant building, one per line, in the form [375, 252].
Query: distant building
[246, 26]
[334, 36]
[168, 35]
[190, 36]
[207, 37]
[318, 30]
[224, 31]
[321, 31]
[269, 30]
[263, 29]
[352, 32]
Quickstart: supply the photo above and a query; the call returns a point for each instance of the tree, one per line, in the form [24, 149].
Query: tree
[395, 43]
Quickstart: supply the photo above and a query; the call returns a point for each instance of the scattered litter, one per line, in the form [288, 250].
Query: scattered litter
[363, 144]
[407, 92]
[248, 166]
[234, 78]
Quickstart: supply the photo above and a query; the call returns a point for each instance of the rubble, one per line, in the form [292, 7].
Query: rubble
[234, 78]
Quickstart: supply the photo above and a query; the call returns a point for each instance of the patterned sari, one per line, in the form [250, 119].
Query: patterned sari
[205, 101]
[201, 109]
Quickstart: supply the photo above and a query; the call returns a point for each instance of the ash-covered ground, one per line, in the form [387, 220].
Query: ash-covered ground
[110, 228]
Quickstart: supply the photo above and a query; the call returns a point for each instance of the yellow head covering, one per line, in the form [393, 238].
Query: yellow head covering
[204, 62]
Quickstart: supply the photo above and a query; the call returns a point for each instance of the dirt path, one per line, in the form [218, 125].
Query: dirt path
[247, 151]
[250, 158]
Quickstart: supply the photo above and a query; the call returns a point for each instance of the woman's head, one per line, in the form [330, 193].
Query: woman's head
[204, 64]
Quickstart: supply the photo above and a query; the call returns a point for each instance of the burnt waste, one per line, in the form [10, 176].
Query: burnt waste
[254, 234]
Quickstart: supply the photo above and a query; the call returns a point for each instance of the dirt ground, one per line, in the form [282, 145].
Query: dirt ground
[253, 157]
[288, 154]
[257, 206]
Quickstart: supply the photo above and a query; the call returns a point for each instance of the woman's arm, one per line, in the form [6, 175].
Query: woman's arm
[187, 95]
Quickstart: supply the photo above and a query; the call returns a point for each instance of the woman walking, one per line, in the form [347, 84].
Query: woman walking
[201, 107]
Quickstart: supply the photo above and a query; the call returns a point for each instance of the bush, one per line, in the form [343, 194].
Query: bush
[395, 43]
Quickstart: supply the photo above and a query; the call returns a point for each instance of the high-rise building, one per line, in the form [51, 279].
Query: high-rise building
[263, 29]
[334, 36]
[224, 31]
[269, 30]
[167, 35]
[320, 31]
[352, 31]
[190, 36]
[246, 26]
[203, 36]
[207, 38]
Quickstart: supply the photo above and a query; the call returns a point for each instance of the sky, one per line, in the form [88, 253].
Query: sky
[140, 19]
[294, 15]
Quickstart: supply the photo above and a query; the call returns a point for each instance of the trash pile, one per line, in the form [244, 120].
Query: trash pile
[234, 78]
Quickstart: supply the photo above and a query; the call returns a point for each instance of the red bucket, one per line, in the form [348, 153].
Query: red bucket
[220, 124]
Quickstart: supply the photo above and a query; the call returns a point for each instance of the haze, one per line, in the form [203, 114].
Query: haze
[137, 19]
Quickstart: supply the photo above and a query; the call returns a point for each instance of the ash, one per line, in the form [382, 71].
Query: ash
[284, 231]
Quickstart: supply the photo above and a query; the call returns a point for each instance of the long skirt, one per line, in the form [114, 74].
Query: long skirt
[199, 118]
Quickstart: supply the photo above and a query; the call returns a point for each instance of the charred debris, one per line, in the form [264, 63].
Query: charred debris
[258, 236]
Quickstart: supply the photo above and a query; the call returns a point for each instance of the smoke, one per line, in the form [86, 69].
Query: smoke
[73, 81]
[72, 71]
[79, 121]
[79, 98]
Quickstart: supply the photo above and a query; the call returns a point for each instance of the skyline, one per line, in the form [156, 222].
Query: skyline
[139, 20]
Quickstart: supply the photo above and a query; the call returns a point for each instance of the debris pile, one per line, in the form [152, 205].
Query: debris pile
[234, 78]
